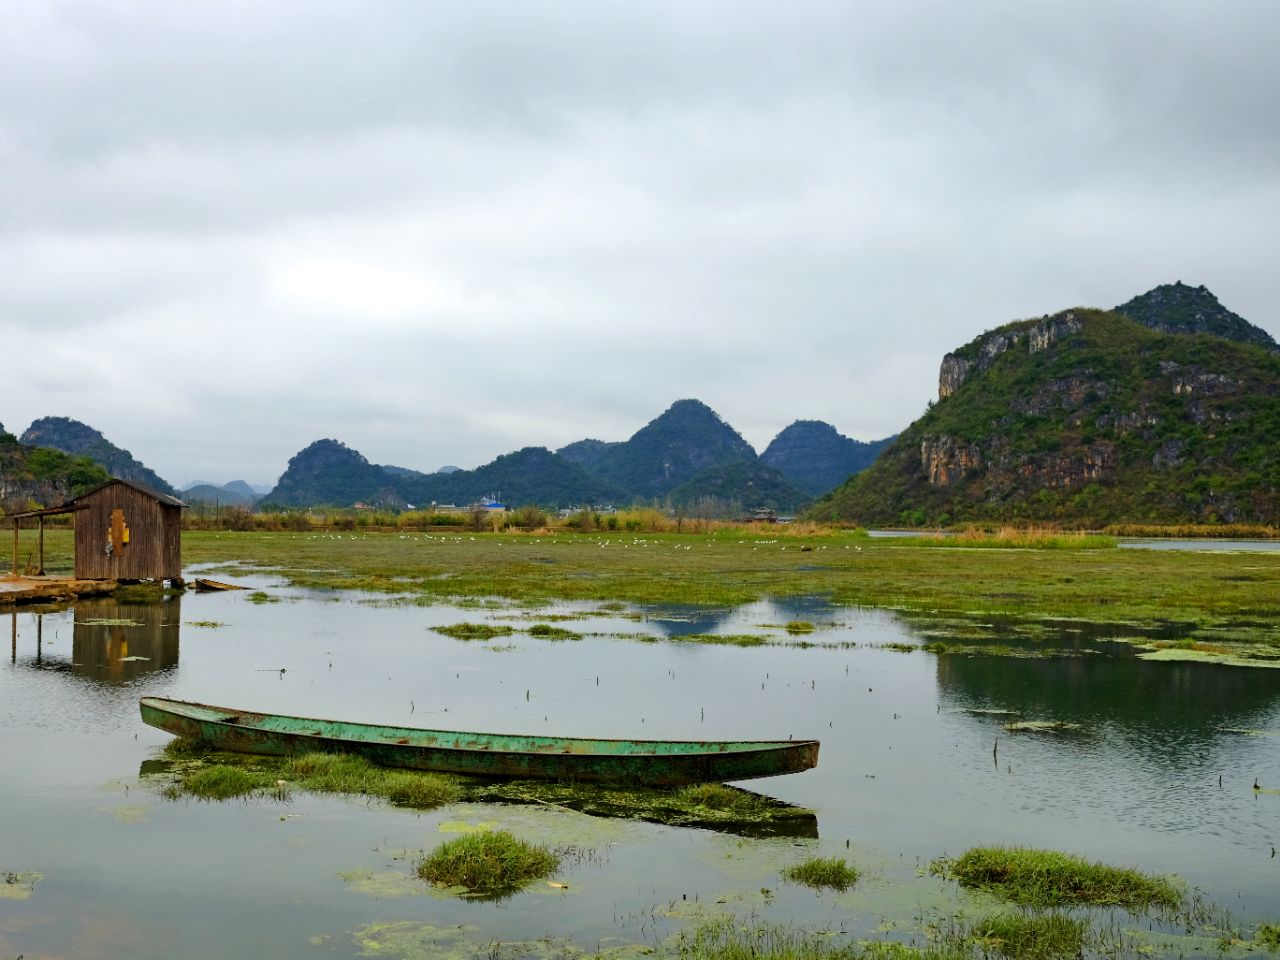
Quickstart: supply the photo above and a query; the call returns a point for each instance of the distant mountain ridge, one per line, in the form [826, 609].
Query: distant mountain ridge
[1088, 417]
[817, 458]
[686, 455]
[81, 440]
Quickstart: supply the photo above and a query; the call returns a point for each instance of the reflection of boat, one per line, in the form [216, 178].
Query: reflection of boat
[651, 762]
[203, 585]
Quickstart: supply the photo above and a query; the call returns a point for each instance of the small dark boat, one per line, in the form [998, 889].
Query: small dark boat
[651, 762]
[203, 585]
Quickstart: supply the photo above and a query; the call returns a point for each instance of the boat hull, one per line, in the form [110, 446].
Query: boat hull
[649, 762]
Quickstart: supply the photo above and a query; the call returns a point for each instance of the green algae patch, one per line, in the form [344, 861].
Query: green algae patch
[708, 806]
[489, 865]
[823, 873]
[412, 940]
[1225, 657]
[1048, 878]
[18, 885]
[131, 812]
[475, 631]
[1041, 726]
[387, 883]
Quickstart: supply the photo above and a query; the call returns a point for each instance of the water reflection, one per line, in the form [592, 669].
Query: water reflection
[118, 642]
[111, 642]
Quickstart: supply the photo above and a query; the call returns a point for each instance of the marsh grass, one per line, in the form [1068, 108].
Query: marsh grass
[475, 631]
[221, 782]
[830, 873]
[488, 865]
[1032, 936]
[1018, 538]
[1137, 587]
[314, 772]
[721, 639]
[799, 626]
[261, 596]
[1268, 934]
[716, 796]
[1048, 878]
[726, 937]
[546, 631]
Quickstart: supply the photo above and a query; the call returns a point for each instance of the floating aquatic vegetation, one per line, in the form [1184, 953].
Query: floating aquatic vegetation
[111, 622]
[547, 632]
[799, 626]
[488, 865]
[207, 624]
[18, 885]
[1031, 936]
[1047, 878]
[261, 596]
[1041, 726]
[831, 873]
[475, 631]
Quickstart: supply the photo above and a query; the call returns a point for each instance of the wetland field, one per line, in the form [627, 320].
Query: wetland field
[999, 728]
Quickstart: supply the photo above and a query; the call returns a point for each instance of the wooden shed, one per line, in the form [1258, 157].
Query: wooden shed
[125, 531]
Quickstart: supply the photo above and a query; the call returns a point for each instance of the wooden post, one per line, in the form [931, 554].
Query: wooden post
[40, 571]
[13, 658]
[15, 549]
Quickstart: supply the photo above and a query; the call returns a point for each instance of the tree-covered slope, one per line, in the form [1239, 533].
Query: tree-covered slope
[533, 475]
[748, 484]
[1085, 417]
[817, 458]
[81, 440]
[331, 473]
[32, 477]
[587, 453]
[683, 441]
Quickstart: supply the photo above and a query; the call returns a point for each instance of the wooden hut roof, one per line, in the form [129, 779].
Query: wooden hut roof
[141, 488]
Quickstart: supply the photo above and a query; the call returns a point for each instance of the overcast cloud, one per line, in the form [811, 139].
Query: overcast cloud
[439, 232]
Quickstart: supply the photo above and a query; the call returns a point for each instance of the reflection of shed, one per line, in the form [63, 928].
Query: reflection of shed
[124, 531]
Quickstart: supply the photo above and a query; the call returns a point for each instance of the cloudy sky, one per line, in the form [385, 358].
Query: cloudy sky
[442, 231]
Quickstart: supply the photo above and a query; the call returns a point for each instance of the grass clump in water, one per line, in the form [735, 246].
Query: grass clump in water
[488, 865]
[1268, 934]
[725, 937]
[547, 632]
[799, 626]
[345, 773]
[220, 782]
[831, 873]
[716, 796]
[261, 596]
[1048, 878]
[722, 639]
[475, 631]
[1037, 936]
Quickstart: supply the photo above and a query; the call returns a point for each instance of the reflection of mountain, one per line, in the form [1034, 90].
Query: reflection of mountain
[117, 642]
[1163, 708]
[681, 621]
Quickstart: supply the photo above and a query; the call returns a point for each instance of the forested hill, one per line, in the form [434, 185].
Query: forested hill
[32, 477]
[331, 473]
[1178, 308]
[671, 449]
[817, 458]
[1086, 417]
[81, 440]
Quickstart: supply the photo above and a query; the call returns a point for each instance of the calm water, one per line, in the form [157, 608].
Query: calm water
[906, 773]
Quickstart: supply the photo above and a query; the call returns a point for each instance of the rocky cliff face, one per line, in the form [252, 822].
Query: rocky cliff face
[982, 353]
[1085, 416]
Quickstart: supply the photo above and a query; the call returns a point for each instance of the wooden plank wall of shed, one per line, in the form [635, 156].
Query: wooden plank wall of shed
[153, 552]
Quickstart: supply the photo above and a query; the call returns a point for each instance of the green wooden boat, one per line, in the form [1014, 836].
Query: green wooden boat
[651, 762]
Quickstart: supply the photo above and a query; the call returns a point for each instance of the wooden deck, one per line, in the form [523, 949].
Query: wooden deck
[15, 590]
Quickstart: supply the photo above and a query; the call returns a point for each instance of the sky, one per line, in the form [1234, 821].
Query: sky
[439, 232]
